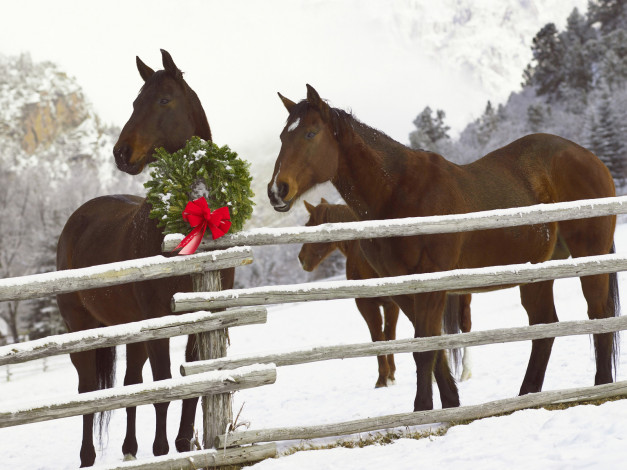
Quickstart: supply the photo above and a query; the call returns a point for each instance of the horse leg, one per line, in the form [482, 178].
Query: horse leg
[428, 312]
[78, 318]
[465, 323]
[188, 413]
[369, 309]
[136, 356]
[589, 237]
[390, 315]
[537, 299]
[84, 363]
[159, 355]
[601, 293]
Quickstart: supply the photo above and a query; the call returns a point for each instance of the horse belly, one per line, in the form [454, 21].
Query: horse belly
[512, 245]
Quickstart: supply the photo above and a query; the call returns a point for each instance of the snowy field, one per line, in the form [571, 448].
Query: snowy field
[314, 394]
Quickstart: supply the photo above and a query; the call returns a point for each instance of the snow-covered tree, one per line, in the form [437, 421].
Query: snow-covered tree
[430, 130]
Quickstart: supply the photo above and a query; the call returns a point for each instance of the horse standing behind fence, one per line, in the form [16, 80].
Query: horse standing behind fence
[166, 113]
[456, 313]
[382, 179]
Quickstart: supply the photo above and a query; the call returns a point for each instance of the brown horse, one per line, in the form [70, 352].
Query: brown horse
[381, 179]
[114, 228]
[456, 314]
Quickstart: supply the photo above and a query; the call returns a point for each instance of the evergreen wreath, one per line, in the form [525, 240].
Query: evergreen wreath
[201, 168]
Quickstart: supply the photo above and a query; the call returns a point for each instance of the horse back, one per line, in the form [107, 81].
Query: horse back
[109, 229]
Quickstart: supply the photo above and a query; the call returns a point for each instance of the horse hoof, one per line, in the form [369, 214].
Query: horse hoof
[391, 381]
[128, 457]
[380, 384]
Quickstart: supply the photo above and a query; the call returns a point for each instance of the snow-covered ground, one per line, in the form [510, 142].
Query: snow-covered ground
[333, 391]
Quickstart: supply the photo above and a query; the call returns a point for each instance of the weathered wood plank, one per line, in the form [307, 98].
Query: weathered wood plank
[217, 408]
[135, 332]
[12, 414]
[425, 417]
[379, 348]
[499, 218]
[154, 267]
[209, 458]
[459, 280]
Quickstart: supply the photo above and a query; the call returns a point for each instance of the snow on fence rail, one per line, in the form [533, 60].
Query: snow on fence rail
[135, 332]
[456, 280]
[217, 382]
[425, 417]
[434, 343]
[154, 267]
[499, 218]
[208, 458]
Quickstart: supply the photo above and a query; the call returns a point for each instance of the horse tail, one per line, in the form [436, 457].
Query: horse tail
[451, 325]
[613, 310]
[105, 373]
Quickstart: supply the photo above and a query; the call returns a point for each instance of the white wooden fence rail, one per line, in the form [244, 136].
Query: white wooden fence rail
[135, 332]
[139, 394]
[499, 218]
[208, 458]
[425, 417]
[459, 280]
[154, 267]
[473, 338]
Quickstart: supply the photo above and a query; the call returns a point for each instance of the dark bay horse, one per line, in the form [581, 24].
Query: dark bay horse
[115, 228]
[380, 178]
[382, 328]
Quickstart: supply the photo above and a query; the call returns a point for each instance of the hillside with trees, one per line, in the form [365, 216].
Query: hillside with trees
[575, 87]
[55, 154]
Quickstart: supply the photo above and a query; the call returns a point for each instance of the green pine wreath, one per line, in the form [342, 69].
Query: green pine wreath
[201, 168]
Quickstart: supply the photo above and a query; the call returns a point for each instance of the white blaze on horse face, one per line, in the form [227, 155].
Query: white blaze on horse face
[275, 188]
[293, 125]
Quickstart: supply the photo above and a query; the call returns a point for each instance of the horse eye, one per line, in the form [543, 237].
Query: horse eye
[164, 101]
[310, 135]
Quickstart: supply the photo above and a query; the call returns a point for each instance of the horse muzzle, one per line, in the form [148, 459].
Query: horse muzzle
[276, 193]
[122, 155]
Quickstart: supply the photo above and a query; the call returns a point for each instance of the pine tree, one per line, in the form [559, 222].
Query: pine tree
[606, 139]
[487, 124]
[611, 15]
[430, 130]
[548, 54]
[578, 71]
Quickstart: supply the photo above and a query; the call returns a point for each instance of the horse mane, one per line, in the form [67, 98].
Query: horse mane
[335, 213]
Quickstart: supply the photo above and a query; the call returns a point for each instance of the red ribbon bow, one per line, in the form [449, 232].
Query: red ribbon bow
[199, 216]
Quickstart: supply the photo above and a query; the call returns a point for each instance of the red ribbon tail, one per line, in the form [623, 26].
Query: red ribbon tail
[190, 243]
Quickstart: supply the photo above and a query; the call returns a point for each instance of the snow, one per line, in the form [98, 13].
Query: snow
[342, 390]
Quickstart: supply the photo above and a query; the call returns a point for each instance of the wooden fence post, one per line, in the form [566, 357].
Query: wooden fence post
[216, 409]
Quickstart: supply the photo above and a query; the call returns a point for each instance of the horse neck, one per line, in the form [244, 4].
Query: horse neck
[364, 178]
[202, 128]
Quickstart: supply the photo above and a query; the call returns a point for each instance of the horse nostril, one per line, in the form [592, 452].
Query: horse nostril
[122, 153]
[283, 189]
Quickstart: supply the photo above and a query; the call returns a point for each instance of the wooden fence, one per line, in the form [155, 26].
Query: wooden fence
[215, 375]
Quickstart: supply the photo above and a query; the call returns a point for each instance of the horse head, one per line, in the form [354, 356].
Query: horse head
[312, 254]
[166, 113]
[309, 150]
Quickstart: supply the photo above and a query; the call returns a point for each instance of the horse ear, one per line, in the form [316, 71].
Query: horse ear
[169, 65]
[314, 99]
[145, 71]
[289, 104]
[310, 208]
